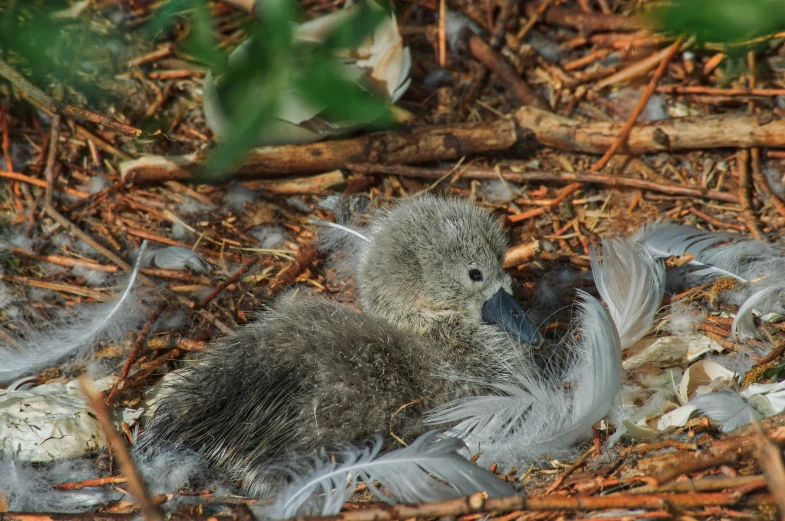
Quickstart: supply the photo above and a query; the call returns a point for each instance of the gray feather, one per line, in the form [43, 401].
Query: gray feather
[728, 408]
[426, 471]
[176, 258]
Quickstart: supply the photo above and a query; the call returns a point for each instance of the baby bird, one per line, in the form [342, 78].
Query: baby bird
[437, 311]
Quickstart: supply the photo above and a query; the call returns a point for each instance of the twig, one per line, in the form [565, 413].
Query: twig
[137, 345]
[586, 23]
[634, 70]
[58, 286]
[437, 143]
[716, 222]
[521, 253]
[231, 279]
[288, 275]
[711, 91]
[72, 228]
[745, 194]
[96, 482]
[769, 456]
[442, 32]
[625, 130]
[49, 170]
[41, 183]
[135, 483]
[535, 15]
[575, 466]
[763, 183]
[488, 57]
[563, 194]
[55, 107]
[552, 177]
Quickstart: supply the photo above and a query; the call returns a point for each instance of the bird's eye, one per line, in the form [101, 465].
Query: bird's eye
[475, 275]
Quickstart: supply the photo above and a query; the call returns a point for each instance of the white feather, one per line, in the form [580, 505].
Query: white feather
[341, 227]
[532, 410]
[743, 326]
[632, 283]
[728, 408]
[43, 347]
[428, 470]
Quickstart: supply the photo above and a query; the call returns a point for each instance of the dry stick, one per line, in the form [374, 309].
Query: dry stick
[625, 131]
[49, 170]
[135, 483]
[769, 456]
[41, 183]
[763, 183]
[488, 57]
[58, 286]
[96, 482]
[442, 32]
[444, 143]
[62, 260]
[587, 23]
[634, 70]
[745, 194]
[288, 275]
[711, 220]
[534, 17]
[74, 229]
[556, 201]
[481, 75]
[552, 177]
[57, 107]
[220, 287]
[137, 345]
[521, 253]
[575, 466]
[711, 91]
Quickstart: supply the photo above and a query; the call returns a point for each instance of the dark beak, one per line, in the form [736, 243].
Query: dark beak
[502, 310]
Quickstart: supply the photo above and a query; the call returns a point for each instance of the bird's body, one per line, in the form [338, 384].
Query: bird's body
[310, 372]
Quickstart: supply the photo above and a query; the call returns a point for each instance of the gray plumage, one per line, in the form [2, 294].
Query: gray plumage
[311, 373]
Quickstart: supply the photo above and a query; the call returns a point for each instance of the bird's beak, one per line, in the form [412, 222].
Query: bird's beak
[502, 310]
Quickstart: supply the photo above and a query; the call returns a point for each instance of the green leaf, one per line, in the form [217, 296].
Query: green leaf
[720, 21]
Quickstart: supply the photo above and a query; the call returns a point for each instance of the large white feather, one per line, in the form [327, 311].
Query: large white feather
[533, 410]
[43, 347]
[428, 470]
[632, 283]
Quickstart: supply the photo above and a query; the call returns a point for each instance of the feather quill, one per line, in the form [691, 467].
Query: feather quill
[632, 283]
[531, 410]
[42, 348]
[428, 470]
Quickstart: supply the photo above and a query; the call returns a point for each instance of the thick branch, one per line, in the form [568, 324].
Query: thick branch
[414, 146]
[451, 142]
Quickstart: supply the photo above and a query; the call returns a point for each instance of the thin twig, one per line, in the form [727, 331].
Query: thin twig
[55, 107]
[625, 131]
[135, 484]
